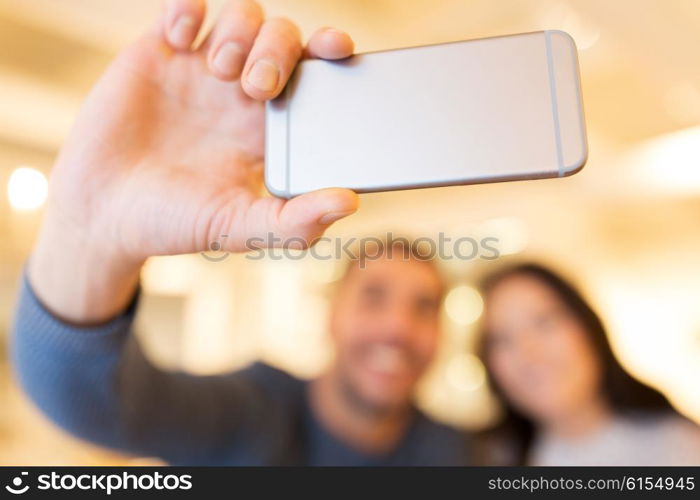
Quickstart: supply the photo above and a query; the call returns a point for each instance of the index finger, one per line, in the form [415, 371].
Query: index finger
[272, 59]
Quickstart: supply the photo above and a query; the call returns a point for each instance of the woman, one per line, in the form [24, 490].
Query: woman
[567, 399]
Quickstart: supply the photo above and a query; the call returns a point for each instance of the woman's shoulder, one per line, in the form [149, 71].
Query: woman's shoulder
[667, 421]
[676, 438]
[681, 428]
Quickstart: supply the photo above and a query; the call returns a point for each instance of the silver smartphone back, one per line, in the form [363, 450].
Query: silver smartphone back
[494, 109]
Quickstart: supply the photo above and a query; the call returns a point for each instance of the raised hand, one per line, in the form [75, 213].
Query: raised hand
[167, 156]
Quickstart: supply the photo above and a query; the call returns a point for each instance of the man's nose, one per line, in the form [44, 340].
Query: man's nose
[398, 323]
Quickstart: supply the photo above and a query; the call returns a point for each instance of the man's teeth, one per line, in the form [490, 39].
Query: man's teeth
[387, 359]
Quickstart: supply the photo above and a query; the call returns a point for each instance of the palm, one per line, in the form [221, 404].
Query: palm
[211, 114]
[186, 143]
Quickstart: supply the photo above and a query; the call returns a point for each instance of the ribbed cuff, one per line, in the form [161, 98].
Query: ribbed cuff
[36, 323]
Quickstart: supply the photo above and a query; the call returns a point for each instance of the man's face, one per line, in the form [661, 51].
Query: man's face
[385, 327]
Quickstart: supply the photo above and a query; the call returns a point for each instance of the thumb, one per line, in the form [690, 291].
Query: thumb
[297, 222]
[310, 214]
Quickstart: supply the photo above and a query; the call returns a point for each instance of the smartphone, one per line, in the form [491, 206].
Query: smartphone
[476, 111]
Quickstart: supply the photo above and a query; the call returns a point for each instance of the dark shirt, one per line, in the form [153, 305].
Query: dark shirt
[96, 383]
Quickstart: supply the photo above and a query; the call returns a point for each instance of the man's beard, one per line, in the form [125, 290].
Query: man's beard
[362, 405]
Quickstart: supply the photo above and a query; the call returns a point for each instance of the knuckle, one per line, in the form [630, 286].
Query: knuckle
[253, 8]
[237, 20]
[283, 27]
[238, 24]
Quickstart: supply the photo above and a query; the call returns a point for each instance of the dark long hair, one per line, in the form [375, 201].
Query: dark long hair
[623, 393]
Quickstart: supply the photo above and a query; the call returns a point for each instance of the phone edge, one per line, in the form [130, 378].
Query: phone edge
[566, 168]
[276, 176]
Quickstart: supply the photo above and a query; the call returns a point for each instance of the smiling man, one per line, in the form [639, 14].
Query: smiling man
[384, 323]
[165, 156]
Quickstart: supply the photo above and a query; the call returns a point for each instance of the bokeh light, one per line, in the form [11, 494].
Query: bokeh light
[27, 189]
[464, 305]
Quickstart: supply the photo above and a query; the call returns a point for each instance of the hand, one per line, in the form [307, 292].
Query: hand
[167, 156]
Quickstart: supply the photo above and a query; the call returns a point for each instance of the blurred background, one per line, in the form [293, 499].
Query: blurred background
[627, 228]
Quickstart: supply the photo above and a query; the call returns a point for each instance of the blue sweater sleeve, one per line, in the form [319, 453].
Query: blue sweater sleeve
[96, 383]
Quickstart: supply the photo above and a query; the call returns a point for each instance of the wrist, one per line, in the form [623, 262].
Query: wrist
[76, 278]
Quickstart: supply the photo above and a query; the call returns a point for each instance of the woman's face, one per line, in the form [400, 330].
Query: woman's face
[538, 352]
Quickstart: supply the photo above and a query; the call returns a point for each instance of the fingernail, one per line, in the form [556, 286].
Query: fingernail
[229, 59]
[264, 75]
[182, 31]
[331, 217]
